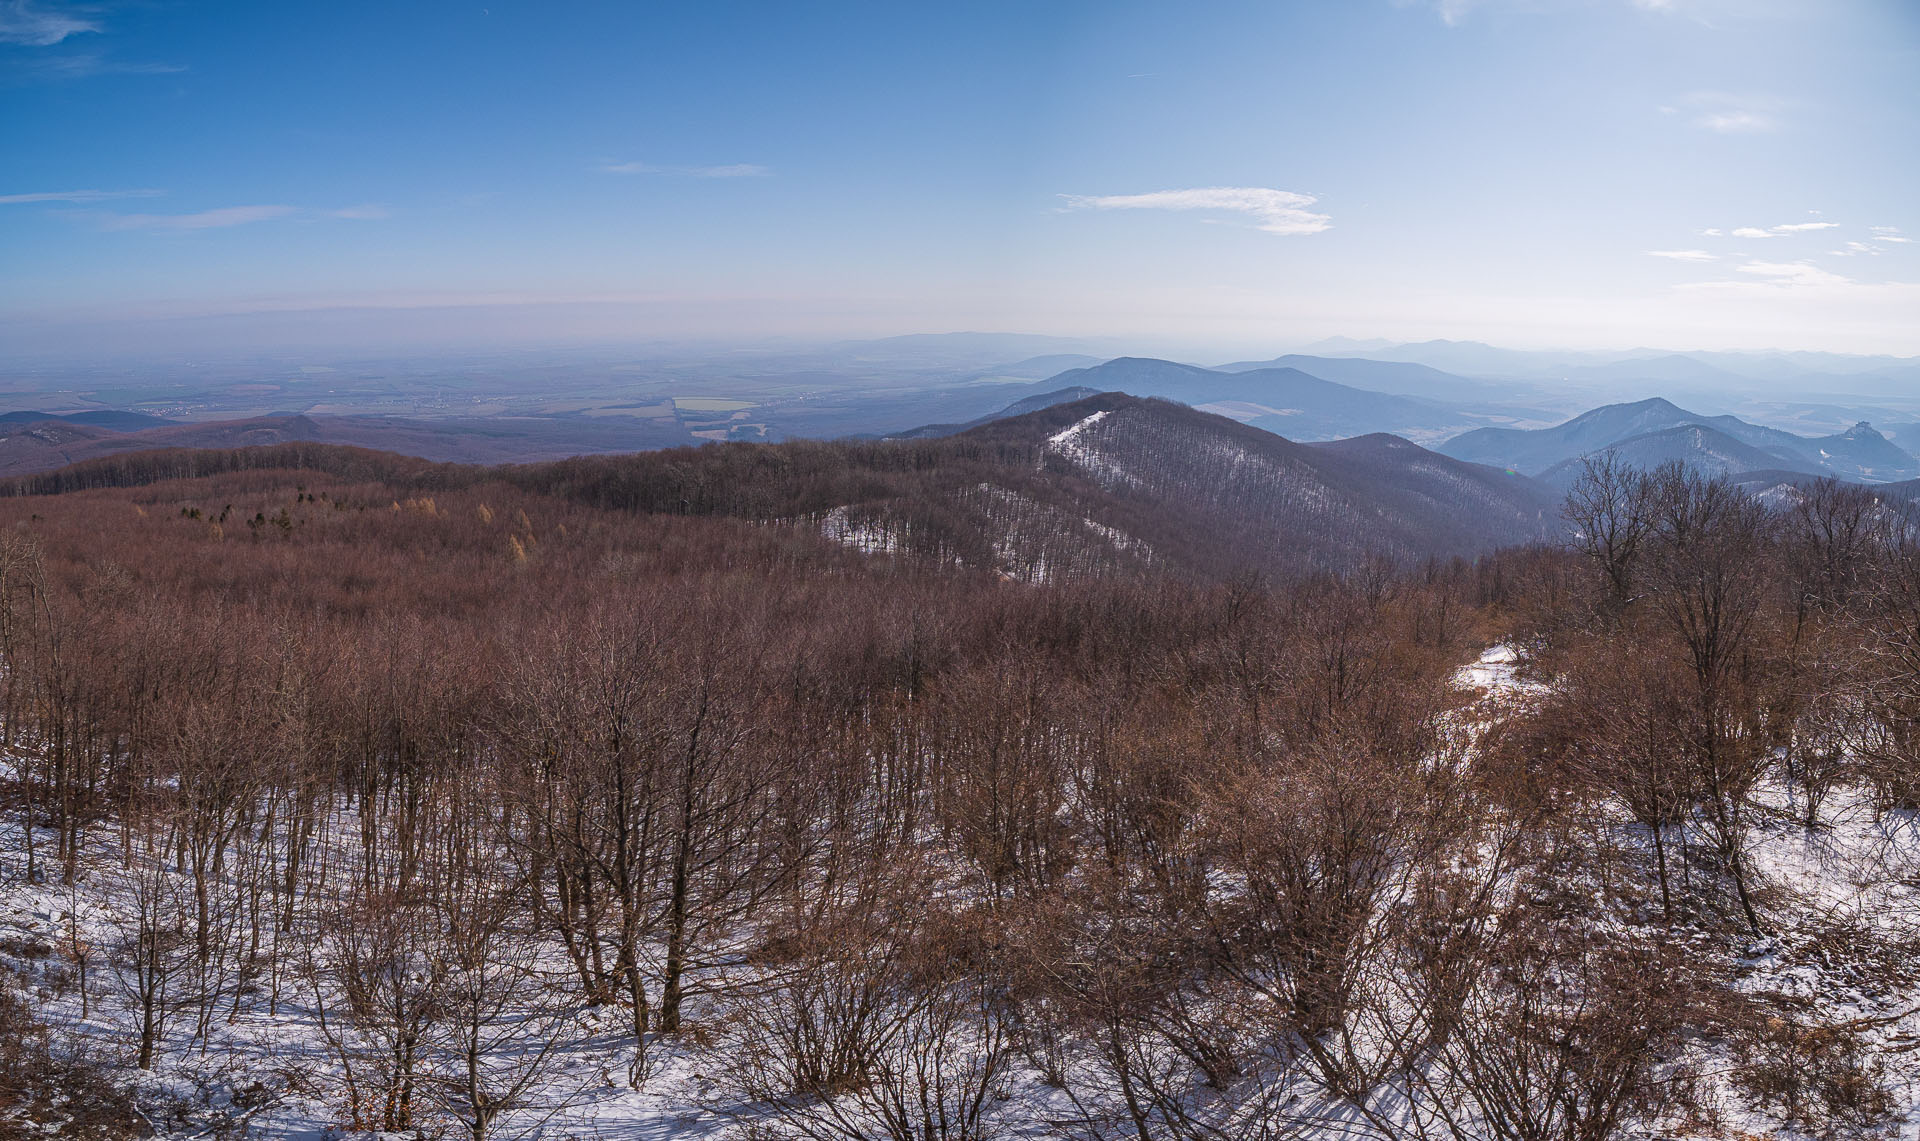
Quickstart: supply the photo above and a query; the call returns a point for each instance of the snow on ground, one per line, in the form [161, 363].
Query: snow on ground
[203, 1086]
[1846, 897]
[1842, 934]
[1496, 673]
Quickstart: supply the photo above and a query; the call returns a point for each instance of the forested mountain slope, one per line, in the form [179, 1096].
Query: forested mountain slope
[1858, 453]
[1704, 449]
[1105, 484]
[1108, 480]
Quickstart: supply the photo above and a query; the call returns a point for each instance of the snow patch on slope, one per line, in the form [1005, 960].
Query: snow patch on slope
[1072, 444]
[863, 536]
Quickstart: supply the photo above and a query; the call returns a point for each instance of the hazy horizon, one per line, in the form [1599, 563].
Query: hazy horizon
[401, 336]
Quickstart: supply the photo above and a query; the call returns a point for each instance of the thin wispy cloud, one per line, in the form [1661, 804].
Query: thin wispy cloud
[1727, 113]
[31, 24]
[1736, 122]
[23, 22]
[1785, 275]
[1760, 277]
[725, 170]
[83, 65]
[1453, 13]
[203, 220]
[76, 196]
[1784, 230]
[1273, 211]
[226, 216]
[1797, 273]
[1880, 238]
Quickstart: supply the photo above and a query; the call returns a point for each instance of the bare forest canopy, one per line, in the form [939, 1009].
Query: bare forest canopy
[1141, 482]
[473, 773]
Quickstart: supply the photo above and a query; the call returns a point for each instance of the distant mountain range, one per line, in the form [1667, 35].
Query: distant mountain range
[1017, 408]
[1397, 377]
[1650, 432]
[1864, 375]
[1301, 461]
[1289, 401]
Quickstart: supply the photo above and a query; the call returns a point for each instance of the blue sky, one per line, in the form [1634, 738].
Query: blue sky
[1595, 173]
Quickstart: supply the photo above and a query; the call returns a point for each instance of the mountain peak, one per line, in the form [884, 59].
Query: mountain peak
[1650, 431]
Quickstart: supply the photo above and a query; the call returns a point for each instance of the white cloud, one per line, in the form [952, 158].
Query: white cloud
[21, 22]
[1452, 12]
[85, 65]
[204, 220]
[1772, 231]
[727, 170]
[1874, 245]
[1736, 122]
[1683, 255]
[231, 216]
[77, 196]
[1274, 211]
[1776, 276]
[1796, 273]
[730, 170]
[1733, 114]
